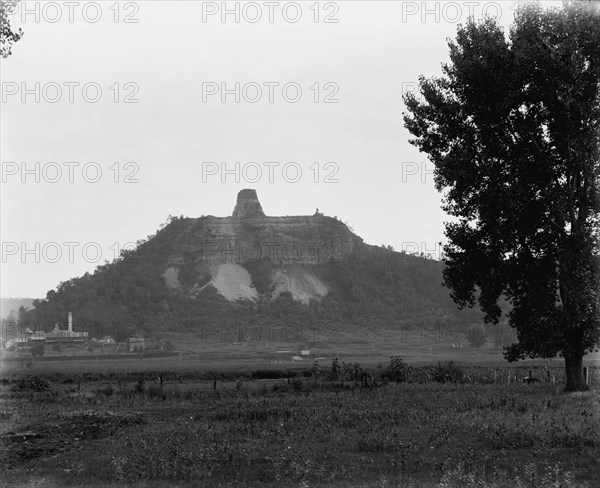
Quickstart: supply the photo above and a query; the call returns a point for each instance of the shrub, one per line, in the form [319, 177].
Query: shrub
[336, 370]
[447, 373]
[353, 372]
[397, 370]
[31, 384]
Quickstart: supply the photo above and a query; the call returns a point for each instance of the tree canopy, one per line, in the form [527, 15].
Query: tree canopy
[7, 36]
[513, 129]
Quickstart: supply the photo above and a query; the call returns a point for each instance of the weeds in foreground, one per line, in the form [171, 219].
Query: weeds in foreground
[530, 476]
[303, 431]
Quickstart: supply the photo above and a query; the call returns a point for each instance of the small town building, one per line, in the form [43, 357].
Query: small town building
[12, 334]
[60, 335]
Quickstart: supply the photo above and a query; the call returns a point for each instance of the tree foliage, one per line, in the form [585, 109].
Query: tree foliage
[7, 35]
[513, 128]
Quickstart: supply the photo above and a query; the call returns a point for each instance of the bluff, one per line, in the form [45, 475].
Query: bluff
[251, 266]
[250, 235]
[223, 251]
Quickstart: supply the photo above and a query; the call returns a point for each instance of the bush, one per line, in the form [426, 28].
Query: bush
[353, 372]
[447, 373]
[397, 370]
[336, 370]
[31, 384]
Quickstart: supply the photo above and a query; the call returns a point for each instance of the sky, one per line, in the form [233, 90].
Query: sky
[116, 115]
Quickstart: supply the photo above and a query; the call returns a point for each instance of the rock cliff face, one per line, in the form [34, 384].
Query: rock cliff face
[249, 235]
[210, 243]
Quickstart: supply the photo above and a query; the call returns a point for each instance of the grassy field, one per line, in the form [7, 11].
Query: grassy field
[447, 426]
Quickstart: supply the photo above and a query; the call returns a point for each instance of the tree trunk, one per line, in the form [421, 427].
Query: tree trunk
[574, 370]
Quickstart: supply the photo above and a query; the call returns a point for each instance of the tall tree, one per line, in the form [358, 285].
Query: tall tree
[513, 129]
[7, 36]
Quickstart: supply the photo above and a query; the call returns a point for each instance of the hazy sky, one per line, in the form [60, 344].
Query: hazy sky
[111, 172]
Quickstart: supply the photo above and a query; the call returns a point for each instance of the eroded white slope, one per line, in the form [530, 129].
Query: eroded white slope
[300, 282]
[233, 282]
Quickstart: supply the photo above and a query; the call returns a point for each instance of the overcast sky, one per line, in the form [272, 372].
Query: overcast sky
[172, 60]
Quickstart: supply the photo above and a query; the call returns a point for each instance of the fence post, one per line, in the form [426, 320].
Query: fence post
[547, 376]
[585, 374]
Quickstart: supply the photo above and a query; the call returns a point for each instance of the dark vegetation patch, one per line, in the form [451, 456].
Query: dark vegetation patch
[63, 433]
[31, 383]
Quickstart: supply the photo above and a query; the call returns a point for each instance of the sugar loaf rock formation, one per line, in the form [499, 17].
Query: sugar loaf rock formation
[247, 205]
[250, 235]
[211, 251]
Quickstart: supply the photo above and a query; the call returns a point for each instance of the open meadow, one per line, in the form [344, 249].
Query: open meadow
[389, 425]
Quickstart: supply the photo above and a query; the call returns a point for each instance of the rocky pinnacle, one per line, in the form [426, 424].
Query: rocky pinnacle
[247, 205]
